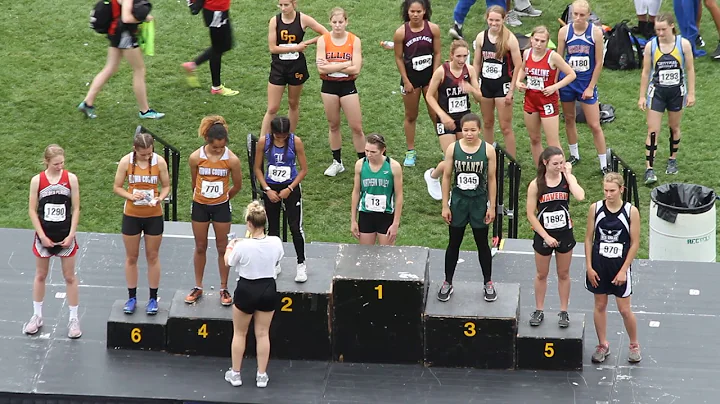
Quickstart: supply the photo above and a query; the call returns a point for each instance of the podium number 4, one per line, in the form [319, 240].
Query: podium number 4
[549, 350]
[202, 331]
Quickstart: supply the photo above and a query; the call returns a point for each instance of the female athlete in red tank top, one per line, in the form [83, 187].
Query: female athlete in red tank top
[539, 70]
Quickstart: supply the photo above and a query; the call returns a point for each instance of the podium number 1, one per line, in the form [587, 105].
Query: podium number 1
[549, 350]
[379, 290]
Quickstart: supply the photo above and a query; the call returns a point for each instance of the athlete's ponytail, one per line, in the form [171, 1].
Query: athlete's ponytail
[213, 127]
[501, 46]
[52, 151]
[545, 157]
[142, 140]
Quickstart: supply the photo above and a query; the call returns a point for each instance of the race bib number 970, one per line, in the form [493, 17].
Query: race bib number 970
[611, 250]
[554, 220]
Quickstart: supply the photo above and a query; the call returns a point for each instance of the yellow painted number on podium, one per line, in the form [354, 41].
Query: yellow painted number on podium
[288, 304]
[469, 329]
[379, 289]
[202, 331]
[135, 335]
[549, 350]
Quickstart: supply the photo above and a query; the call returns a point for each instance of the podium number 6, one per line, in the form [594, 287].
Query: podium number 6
[549, 350]
[135, 335]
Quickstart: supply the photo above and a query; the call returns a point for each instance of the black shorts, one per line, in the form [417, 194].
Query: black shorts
[417, 80]
[339, 88]
[218, 22]
[150, 226]
[566, 241]
[607, 271]
[123, 40]
[375, 222]
[661, 99]
[291, 74]
[255, 295]
[440, 128]
[494, 89]
[221, 213]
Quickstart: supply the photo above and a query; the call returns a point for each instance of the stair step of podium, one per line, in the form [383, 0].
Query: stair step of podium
[549, 347]
[467, 331]
[137, 330]
[378, 298]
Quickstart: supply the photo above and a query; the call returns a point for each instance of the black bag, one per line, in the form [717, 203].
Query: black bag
[101, 17]
[141, 9]
[195, 6]
[607, 113]
[622, 49]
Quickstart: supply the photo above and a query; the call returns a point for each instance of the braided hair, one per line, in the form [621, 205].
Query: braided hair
[279, 124]
[141, 140]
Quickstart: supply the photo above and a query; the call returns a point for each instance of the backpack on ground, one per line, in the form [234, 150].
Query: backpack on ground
[622, 48]
[101, 17]
[607, 113]
[195, 6]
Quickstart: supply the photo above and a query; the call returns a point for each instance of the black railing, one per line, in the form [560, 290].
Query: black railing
[631, 187]
[513, 195]
[172, 157]
[251, 147]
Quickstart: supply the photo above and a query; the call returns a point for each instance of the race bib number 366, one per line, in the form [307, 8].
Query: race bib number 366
[491, 71]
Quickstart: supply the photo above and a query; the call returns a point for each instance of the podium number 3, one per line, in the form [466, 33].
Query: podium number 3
[379, 290]
[549, 350]
[469, 329]
[135, 335]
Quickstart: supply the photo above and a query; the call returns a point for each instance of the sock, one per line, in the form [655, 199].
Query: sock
[37, 308]
[574, 150]
[153, 293]
[361, 155]
[73, 312]
[261, 374]
[603, 160]
[411, 150]
[144, 112]
[336, 155]
[216, 88]
[198, 287]
[132, 293]
[234, 373]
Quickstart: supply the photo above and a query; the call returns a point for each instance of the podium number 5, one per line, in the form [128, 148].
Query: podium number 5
[549, 350]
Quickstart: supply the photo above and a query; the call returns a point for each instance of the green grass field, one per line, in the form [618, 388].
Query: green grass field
[51, 55]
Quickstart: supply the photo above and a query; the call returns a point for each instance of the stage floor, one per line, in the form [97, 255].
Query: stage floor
[677, 319]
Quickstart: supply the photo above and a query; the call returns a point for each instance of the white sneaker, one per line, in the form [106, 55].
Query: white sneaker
[512, 19]
[530, 11]
[278, 269]
[335, 168]
[433, 185]
[33, 325]
[262, 379]
[301, 273]
[233, 378]
[74, 329]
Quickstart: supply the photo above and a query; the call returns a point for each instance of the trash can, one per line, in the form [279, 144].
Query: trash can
[682, 223]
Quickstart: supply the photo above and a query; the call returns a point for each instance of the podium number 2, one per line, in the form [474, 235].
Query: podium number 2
[135, 335]
[469, 329]
[379, 290]
[202, 331]
[288, 304]
[549, 350]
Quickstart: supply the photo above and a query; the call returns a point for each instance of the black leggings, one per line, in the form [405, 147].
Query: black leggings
[453, 252]
[221, 41]
[293, 210]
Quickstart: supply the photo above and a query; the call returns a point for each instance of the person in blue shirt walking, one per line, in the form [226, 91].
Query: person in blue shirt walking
[280, 181]
[582, 45]
[523, 8]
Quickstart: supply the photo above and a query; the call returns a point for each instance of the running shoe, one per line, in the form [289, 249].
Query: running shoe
[261, 380]
[32, 327]
[530, 11]
[130, 306]
[152, 307]
[634, 354]
[194, 295]
[564, 321]
[650, 176]
[605, 170]
[490, 292]
[90, 111]
[456, 31]
[699, 42]
[536, 318]
[671, 167]
[233, 378]
[301, 275]
[74, 329]
[151, 114]
[278, 269]
[191, 77]
[224, 91]
[433, 185]
[334, 169]
[601, 352]
[716, 54]
[445, 291]
[225, 297]
[512, 19]
[573, 160]
[410, 157]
